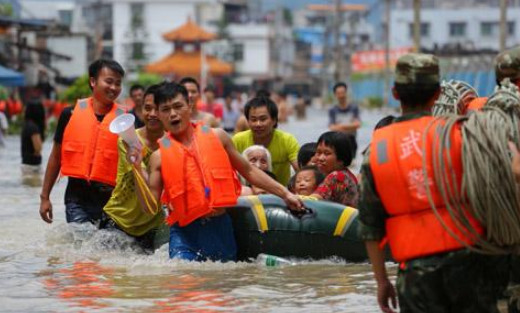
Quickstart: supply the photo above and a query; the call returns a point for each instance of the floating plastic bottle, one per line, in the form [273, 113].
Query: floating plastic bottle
[272, 260]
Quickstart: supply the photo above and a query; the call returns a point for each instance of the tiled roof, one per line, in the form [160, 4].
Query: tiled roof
[189, 32]
[188, 64]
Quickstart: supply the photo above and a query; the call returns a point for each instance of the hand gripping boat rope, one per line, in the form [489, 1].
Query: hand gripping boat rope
[488, 191]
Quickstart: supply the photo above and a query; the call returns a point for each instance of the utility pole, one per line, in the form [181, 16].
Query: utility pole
[417, 25]
[337, 48]
[326, 60]
[386, 95]
[503, 24]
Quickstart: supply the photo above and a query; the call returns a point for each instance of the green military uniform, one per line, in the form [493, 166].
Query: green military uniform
[457, 281]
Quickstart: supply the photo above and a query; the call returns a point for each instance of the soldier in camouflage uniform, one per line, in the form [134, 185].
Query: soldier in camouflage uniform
[454, 281]
[507, 65]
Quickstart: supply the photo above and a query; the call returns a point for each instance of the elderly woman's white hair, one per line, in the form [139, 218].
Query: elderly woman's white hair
[261, 148]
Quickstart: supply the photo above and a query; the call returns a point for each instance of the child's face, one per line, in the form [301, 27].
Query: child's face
[305, 183]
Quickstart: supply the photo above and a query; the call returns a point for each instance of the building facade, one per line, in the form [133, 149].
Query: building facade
[462, 29]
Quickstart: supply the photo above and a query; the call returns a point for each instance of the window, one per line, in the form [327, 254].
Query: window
[136, 15]
[238, 52]
[492, 29]
[457, 29]
[137, 51]
[65, 17]
[425, 30]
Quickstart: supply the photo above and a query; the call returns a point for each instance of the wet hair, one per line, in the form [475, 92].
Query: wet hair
[187, 80]
[136, 87]
[168, 91]
[262, 148]
[261, 101]
[151, 91]
[416, 95]
[95, 68]
[338, 85]
[319, 176]
[344, 145]
[35, 113]
[306, 153]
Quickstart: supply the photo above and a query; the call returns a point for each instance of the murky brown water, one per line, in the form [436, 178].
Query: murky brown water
[59, 268]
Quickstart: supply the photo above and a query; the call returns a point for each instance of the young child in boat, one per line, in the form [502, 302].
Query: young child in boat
[306, 180]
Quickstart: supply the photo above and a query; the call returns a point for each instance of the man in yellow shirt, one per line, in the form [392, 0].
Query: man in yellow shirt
[123, 211]
[262, 115]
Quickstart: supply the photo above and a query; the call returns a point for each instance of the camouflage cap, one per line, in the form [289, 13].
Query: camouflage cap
[507, 64]
[415, 68]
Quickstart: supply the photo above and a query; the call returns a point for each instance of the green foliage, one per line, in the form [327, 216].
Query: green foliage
[6, 9]
[147, 79]
[374, 102]
[79, 89]
[287, 16]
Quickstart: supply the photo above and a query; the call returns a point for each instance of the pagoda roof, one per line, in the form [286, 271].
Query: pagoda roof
[189, 32]
[183, 63]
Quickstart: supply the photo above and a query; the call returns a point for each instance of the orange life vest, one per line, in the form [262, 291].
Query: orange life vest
[196, 180]
[413, 229]
[3, 106]
[476, 104]
[14, 107]
[89, 149]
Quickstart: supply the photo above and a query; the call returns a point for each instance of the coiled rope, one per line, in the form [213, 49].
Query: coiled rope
[488, 191]
[454, 98]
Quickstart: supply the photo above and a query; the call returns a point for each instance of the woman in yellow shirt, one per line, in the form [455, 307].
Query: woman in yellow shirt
[123, 211]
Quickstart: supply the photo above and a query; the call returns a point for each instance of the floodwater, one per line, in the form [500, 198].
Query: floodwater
[61, 268]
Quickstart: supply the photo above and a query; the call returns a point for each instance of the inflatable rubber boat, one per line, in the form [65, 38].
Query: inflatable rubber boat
[263, 224]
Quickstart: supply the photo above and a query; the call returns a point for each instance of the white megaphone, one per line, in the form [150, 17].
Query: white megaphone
[123, 125]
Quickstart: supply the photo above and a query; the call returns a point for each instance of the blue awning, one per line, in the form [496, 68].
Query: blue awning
[10, 78]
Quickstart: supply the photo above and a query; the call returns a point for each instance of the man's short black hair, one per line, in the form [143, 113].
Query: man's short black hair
[338, 85]
[186, 80]
[307, 151]
[136, 87]
[344, 145]
[98, 65]
[168, 91]
[152, 90]
[416, 95]
[260, 101]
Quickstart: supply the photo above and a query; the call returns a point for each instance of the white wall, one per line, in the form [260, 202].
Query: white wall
[255, 39]
[439, 20]
[73, 46]
[44, 9]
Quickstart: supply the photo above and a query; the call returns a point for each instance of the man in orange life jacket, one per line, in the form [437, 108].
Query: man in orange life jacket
[507, 65]
[195, 166]
[437, 273]
[85, 150]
